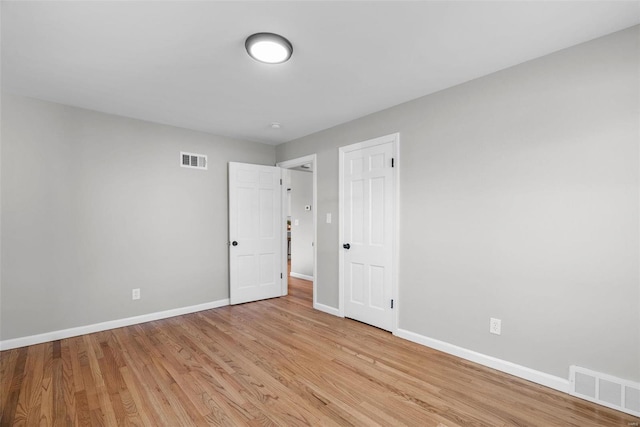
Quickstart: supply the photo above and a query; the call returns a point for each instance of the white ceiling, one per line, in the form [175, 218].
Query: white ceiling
[184, 64]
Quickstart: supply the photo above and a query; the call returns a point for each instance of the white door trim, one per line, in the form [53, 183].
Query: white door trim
[288, 164]
[395, 138]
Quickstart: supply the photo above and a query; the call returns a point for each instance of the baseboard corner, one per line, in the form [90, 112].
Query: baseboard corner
[326, 309]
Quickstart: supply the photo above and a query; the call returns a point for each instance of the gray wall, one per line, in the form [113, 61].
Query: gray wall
[519, 199]
[301, 234]
[94, 205]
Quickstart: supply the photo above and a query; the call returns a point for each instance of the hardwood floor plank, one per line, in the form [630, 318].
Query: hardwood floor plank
[10, 411]
[103, 413]
[269, 363]
[31, 391]
[68, 384]
[60, 416]
[134, 402]
[156, 404]
[8, 361]
[83, 413]
[113, 382]
[47, 403]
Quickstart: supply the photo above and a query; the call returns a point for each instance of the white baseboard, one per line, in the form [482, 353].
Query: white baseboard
[327, 309]
[542, 378]
[103, 326]
[301, 276]
[529, 374]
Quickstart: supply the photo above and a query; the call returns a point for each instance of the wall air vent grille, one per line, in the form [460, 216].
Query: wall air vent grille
[193, 160]
[605, 390]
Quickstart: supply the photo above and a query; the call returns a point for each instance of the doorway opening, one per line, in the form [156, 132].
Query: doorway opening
[299, 219]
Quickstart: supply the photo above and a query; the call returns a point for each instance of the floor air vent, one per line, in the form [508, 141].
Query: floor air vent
[192, 160]
[605, 390]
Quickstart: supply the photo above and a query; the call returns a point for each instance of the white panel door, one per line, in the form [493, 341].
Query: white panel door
[254, 233]
[368, 230]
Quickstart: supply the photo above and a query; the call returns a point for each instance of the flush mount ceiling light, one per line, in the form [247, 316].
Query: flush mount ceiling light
[268, 48]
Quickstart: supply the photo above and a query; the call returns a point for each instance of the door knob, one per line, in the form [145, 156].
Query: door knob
[346, 246]
[234, 243]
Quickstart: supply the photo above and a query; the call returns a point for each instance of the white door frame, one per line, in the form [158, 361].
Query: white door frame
[395, 138]
[289, 164]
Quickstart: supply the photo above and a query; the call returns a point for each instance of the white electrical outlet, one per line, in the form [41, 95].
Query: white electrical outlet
[495, 326]
[135, 293]
[296, 222]
[329, 218]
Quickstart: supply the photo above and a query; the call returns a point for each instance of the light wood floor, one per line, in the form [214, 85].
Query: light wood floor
[274, 362]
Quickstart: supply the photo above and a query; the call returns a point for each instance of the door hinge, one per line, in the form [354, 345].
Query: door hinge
[281, 275]
[393, 162]
[280, 181]
[391, 303]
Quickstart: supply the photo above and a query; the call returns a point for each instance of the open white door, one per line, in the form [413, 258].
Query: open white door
[367, 220]
[254, 233]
